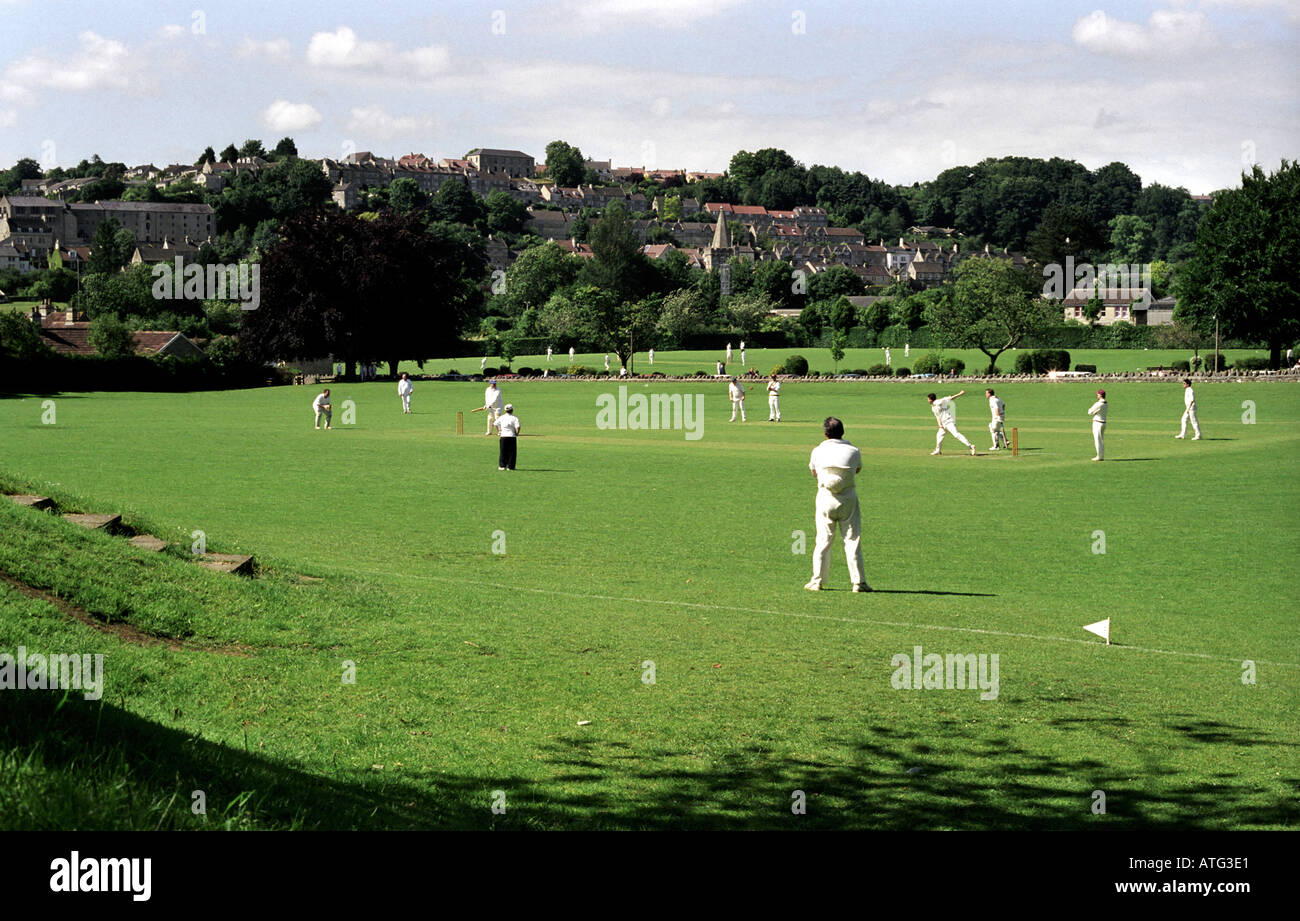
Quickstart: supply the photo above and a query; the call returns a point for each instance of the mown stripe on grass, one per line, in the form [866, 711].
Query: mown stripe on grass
[827, 617]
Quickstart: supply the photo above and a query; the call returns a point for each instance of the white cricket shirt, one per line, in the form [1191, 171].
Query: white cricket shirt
[1189, 398]
[508, 425]
[493, 399]
[320, 401]
[835, 462]
[1098, 411]
[404, 387]
[737, 392]
[997, 407]
[943, 411]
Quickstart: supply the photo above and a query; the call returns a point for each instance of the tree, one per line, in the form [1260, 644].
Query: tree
[839, 340]
[1132, 240]
[454, 202]
[404, 195]
[285, 148]
[230, 154]
[836, 281]
[748, 311]
[11, 180]
[1063, 231]
[106, 250]
[619, 266]
[110, 337]
[538, 273]
[20, 338]
[992, 309]
[1244, 269]
[324, 281]
[505, 214]
[683, 313]
[252, 148]
[564, 163]
[208, 156]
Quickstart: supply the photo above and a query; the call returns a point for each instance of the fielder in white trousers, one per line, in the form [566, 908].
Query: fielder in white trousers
[946, 415]
[737, 394]
[835, 462]
[773, 400]
[1098, 413]
[1189, 413]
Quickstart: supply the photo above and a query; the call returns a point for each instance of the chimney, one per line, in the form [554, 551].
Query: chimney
[71, 318]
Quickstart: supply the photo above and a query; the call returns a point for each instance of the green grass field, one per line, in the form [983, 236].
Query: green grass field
[764, 360]
[522, 677]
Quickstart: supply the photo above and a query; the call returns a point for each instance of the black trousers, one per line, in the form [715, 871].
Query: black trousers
[506, 457]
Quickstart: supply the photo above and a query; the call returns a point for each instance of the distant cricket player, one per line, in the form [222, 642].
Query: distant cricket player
[835, 463]
[482, 364]
[742, 353]
[508, 427]
[548, 354]
[492, 402]
[728, 353]
[946, 416]
[323, 409]
[652, 357]
[737, 395]
[773, 400]
[606, 361]
[404, 389]
[1098, 412]
[570, 354]
[997, 427]
[889, 361]
[1189, 413]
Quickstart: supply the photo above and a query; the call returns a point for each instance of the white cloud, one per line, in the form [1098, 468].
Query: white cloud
[274, 49]
[607, 15]
[283, 115]
[342, 51]
[1290, 7]
[1167, 32]
[172, 31]
[99, 63]
[375, 123]
[8, 118]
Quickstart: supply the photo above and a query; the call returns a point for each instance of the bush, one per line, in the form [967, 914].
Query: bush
[953, 366]
[527, 372]
[928, 364]
[1180, 365]
[1090, 369]
[1250, 363]
[583, 371]
[796, 365]
[490, 371]
[1223, 362]
[777, 369]
[876, 371]
[903, 372]
[1040, 361]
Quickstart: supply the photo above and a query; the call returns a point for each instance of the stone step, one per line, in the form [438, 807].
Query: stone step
[228, 562]
[41, 502]
[108, 523]
[148, 542]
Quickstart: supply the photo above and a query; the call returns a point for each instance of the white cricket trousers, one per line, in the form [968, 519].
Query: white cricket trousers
[950, 427]
[493, 414]
[998, 430]
[741, 404]
[1099, 438]
[1190, 414]
[406, 402]
[773, 407]
[841, 508]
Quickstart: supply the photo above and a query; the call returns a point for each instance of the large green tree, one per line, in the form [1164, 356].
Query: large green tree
[1244, 270]
[993, 308]
[565, 163]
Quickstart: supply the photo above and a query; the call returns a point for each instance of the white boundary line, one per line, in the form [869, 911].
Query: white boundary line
[829, 617]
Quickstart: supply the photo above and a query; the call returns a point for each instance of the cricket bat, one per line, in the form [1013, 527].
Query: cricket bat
[479, 410]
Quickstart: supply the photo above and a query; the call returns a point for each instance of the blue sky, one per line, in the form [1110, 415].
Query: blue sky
[1184, 92]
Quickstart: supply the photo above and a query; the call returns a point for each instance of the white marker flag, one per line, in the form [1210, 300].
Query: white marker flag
[1101, 628]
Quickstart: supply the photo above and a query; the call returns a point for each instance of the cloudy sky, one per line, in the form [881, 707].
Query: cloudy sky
[1184, 91]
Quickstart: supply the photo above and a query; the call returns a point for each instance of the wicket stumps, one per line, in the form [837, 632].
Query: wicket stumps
[1015, 442]
[460, 423]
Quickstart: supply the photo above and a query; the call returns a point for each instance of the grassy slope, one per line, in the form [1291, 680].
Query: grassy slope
[474, 668]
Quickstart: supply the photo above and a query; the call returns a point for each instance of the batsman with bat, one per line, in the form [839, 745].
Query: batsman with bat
[493, 402]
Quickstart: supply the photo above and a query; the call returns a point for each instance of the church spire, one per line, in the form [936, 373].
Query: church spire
[721, 234]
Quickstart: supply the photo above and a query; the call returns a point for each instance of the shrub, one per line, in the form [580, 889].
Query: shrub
[1223, 362]
[903, 372]
[1180, 365]
[582, 371]
[1040, 361]
[778, 369]
[796, 365]
[1025, 363]
[928, 364]
[1090, 369]
[490, 371]
[953, 366]
[876, 371]
[526, 372]
[1251, 363]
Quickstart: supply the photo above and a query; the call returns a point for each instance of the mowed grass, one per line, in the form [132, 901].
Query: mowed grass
[526, 674]
[1108, 361]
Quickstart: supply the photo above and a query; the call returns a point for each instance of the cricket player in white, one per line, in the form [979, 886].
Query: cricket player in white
[728, 353]
[570, 354]
[492, 403]
[322, 408]
[946, 416]
[1189, 413]
[548, 354]
[997, 427]
[1098, 412]
[774, 400]
[607, 362]
[737, 394]
[834, 463]
[404, 388]
[652, 357]
[482, 364]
